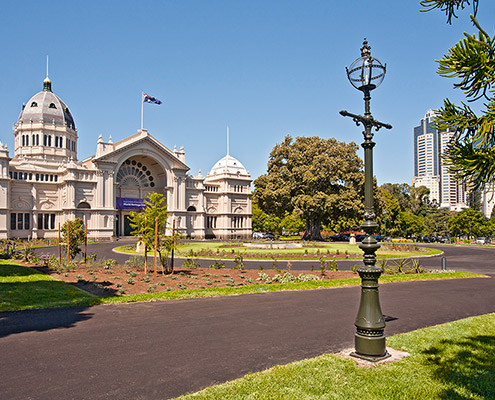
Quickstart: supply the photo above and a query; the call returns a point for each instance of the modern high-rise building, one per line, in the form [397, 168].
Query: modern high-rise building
[429, 171]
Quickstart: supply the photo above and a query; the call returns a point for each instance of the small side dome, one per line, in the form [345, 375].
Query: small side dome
[229, 165]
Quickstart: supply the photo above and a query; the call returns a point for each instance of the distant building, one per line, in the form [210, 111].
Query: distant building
[429, 171]
[44, 185]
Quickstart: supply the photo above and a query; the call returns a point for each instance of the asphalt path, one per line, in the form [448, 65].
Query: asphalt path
[479, 259]
[163, 349]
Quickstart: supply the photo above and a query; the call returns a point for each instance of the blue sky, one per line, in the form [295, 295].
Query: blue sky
[265, 68]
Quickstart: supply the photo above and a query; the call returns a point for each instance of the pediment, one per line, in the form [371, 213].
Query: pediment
[141, 144]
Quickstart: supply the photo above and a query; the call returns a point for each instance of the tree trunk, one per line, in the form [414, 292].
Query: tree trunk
[165, 264]
[313, 227]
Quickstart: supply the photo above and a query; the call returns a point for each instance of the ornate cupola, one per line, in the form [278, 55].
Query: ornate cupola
[45, 128]
[47, 84]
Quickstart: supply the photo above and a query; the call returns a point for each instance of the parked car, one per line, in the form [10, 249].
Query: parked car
[269, 236]
[257, 235]
[482, 240]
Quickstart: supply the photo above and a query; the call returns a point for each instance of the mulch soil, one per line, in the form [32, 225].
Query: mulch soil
[124, 280]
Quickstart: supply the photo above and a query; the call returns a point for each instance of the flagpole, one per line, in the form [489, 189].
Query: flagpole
[142, 102]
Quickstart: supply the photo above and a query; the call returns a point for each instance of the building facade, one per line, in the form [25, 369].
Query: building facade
[429, 171]
[43, 185]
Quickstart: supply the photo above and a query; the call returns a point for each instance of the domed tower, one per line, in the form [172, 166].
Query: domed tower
[228, 200]
[45, 128]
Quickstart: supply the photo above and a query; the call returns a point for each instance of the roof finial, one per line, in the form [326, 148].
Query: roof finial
[228, 139]
[47, 83]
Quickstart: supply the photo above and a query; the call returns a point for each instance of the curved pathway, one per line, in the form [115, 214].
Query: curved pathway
[477, 259]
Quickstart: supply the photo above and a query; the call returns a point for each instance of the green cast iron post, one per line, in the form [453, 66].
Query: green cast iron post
[366, 73]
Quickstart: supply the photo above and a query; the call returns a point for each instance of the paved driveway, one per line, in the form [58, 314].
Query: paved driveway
[477, 259]
[164, 349]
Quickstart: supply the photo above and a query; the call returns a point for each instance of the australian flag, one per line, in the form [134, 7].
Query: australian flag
[150, 99]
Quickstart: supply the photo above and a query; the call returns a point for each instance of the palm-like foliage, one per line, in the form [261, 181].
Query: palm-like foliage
[448, 6]
[472, 61]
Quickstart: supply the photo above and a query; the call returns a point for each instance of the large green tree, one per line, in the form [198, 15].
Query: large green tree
[319, 180]
[410, 224]
[471, 62]
[469, 223]
[390, 210]
[436, 221]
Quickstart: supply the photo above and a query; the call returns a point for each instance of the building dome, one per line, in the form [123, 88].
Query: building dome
[46, 107]
[228, 165]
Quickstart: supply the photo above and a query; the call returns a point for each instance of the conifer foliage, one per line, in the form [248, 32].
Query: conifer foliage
[472, 63]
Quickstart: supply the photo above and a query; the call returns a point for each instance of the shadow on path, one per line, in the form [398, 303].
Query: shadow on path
[12, 322]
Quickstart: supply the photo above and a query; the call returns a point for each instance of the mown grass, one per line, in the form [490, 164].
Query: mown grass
[22, 288]
[449, 361]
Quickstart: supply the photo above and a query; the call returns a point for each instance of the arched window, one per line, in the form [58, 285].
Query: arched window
[134, 174]
[83, 204]
[34, 104]
[52, 105]
[191, 208]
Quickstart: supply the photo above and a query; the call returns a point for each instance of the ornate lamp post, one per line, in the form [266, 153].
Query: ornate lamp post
[365, 74]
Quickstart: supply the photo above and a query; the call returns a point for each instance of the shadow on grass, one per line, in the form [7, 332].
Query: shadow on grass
[7, 270]
[467, 366]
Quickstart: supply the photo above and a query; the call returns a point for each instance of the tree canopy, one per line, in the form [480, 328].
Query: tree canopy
[471, 61]
[469, 223]
[143, 222]
[318, 180]
[76, 236]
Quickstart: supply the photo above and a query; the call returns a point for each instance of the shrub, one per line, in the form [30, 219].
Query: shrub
[238, 262]
[217, 265]
[135, 261]
[109, 263]
[91, 258]
[190, 263]
[264, 277]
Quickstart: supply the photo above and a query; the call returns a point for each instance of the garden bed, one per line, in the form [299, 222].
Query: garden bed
[107, 280]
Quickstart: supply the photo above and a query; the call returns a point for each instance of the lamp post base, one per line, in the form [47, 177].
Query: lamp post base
[370, 348]
[371, 358]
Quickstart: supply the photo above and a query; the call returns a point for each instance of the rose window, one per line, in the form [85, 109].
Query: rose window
[133, 173]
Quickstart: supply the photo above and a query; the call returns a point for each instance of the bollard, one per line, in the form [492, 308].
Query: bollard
[444, 264]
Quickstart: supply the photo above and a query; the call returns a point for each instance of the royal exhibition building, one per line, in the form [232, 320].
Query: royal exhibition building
[44, 185]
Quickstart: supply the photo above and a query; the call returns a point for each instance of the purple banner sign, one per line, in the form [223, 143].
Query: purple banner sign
[124, 203]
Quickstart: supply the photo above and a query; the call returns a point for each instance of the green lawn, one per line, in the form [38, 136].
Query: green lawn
[450, 361]
[339, 250]
[22, 288]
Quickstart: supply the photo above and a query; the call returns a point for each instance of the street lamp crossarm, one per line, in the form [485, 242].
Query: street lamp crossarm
[367, 120]
[378, 125]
